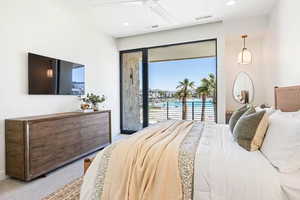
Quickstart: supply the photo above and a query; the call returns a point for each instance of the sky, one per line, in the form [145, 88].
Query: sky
[78, 74]
[166, 75]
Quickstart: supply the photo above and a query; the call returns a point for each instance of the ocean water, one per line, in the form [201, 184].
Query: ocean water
[177, 104]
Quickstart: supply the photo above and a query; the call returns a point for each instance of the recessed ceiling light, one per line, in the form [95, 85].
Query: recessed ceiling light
[203, 17]
[125, 24]
[134, 3]
[155, 26]
[231, 3]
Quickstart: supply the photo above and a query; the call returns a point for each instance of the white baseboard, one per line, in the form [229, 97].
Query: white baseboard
[2, 175]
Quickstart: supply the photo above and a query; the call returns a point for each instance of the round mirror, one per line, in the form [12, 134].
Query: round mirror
[243, 89]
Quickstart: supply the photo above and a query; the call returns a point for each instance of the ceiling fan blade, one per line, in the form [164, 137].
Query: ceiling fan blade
[163, 13]
[103, 3]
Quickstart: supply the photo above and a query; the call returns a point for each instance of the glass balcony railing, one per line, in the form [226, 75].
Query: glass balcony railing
[174, 110]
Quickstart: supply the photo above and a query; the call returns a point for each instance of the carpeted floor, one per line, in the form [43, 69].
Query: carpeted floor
[70, 191]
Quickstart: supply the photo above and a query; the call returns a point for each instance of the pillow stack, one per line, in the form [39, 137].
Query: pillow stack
[277, 136]
[249, 128]
[282, 143]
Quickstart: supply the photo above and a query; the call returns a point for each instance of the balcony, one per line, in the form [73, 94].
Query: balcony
[173, 110]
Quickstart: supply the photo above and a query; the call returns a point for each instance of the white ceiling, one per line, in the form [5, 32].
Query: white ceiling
[186, 51]
[120, 20]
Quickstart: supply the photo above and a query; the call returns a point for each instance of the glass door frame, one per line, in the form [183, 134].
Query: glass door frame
[145, 86]
[145, 75]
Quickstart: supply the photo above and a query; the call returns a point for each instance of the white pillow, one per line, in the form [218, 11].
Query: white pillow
[287, 114]
[282, 143]
[297, 115]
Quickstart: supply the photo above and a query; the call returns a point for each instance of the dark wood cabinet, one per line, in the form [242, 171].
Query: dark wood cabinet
[37, 145]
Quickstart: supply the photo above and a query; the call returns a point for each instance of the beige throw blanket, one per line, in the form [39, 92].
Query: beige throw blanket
[149, 165]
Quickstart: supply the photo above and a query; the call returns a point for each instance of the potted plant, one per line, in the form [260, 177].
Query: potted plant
[94, 100]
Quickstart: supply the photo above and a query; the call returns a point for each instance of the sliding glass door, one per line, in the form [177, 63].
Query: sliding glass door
[182, 82]
[168, 82]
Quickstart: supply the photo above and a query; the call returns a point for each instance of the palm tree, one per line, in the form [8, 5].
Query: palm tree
[212, 90]
[185, 88]
[207, 88]
[203, 91]
[161, 94]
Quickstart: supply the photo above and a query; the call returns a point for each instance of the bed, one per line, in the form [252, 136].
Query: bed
[185, 160]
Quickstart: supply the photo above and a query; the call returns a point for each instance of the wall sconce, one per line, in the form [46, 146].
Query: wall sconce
[50, 72]
[245, 56]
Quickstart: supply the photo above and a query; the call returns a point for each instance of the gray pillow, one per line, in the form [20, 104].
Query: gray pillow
[250, 130]
[236, 116]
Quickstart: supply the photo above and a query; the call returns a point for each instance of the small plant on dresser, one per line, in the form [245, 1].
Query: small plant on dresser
[93, 100]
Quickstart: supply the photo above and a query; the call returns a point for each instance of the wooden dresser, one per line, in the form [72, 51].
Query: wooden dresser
[36, 145]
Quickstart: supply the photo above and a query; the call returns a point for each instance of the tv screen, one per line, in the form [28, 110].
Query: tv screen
[53, 76]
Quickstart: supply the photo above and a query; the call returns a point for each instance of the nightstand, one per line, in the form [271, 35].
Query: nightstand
[228, 116]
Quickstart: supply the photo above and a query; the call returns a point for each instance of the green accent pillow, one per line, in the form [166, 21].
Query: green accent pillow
[250, 130]
[251, 110]
[236, 116]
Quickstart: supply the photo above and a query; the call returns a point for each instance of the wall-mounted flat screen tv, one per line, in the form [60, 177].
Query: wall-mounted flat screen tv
[54, 76]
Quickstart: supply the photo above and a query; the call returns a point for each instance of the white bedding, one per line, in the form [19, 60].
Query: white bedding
[290, 184]
[223, 171]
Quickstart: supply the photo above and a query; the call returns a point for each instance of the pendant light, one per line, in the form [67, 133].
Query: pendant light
[245, 56]
[49, 71]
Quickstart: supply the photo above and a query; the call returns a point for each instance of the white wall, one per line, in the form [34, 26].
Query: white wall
[282, 47]
[202, 32]
[256, 28]
[254, 70]
[48, 28]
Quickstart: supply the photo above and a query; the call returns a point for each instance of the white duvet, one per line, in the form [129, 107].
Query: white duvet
[223, 171]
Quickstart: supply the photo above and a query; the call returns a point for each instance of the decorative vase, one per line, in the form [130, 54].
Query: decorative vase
[95, 107]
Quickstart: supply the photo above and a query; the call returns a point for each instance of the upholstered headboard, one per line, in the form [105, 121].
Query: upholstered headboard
[287, 99]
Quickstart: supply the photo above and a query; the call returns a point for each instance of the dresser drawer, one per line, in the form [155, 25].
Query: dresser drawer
[38, 145]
